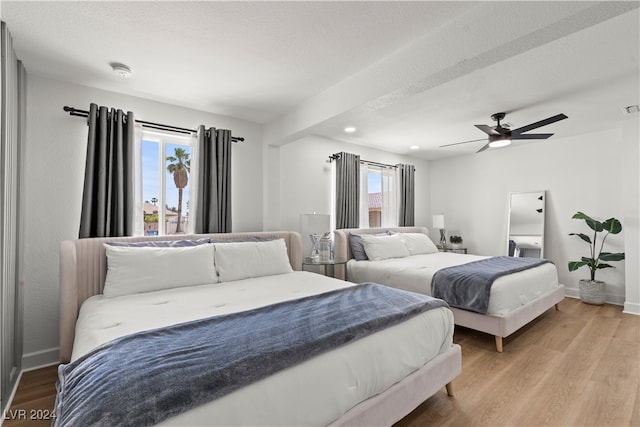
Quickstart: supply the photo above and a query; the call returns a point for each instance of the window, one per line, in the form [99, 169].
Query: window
[165, 175]
[378, 196]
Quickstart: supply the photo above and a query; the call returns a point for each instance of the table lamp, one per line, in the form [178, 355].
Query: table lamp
[438, 222]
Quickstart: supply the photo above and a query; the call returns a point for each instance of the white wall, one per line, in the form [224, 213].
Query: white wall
[274, 185]
[54, 166]
[584, 173]
[304, 176]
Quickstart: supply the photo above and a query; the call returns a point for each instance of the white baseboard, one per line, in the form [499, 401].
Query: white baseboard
[609, 298]
[631, 308]
[40, 359]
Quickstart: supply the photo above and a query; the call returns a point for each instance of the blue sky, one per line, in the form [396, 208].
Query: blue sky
[150, 186]
[374, 183]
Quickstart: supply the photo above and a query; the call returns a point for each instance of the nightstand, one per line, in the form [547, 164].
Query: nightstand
[321, 266]
[452, 249]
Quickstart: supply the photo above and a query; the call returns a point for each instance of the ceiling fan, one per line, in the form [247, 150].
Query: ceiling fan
[500, 135]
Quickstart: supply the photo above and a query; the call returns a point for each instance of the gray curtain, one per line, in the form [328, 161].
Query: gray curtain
[406, 190]
[108, 199]
[347, 190]
[213, 204]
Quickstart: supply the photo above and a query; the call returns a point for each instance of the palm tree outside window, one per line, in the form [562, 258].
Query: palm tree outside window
[179, 167]
[165, 183]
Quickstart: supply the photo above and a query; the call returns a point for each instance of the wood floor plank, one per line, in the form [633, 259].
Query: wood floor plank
[579, 366]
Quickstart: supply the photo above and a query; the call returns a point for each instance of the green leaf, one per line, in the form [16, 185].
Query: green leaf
[592, 223]
[580, 215]
[612, 225]
[608, 256]
[588, 261]
[601, 265]
[582, 236]
[574, 265]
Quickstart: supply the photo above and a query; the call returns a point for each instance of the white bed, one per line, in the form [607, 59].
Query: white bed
[515, 300]
[404, 364]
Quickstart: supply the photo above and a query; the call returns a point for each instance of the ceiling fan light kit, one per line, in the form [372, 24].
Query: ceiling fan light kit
[499, 142]
[501, 136]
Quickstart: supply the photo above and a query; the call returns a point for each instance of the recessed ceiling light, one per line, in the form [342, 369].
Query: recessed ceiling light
[121, 70]
[349, 129]
[415, 147]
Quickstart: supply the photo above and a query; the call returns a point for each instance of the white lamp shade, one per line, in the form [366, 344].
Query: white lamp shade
[438, 221]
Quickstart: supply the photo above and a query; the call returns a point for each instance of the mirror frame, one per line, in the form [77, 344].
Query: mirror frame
[542, 193]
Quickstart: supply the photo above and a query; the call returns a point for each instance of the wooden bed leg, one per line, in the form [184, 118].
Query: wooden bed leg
[499, 344]
[449, 388]
[557, 308]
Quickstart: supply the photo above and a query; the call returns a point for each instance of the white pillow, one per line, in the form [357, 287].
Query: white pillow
[383, 247]
[242, 260]
[133, 270]
[418, 243]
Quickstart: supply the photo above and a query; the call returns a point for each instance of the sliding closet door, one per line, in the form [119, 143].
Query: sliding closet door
[12, 76]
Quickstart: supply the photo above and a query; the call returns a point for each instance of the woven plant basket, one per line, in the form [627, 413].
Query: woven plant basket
[592, 291]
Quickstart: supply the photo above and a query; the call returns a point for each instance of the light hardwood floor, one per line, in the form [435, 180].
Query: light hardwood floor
[579, 366]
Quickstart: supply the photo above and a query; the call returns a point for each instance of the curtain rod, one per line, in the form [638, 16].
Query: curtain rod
[384, 165]
[83, 113]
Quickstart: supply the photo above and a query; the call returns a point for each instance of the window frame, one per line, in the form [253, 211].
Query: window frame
[164, 138]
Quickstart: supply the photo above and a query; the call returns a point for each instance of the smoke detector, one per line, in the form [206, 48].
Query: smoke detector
[121, 70]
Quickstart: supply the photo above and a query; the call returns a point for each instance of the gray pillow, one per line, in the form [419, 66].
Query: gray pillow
[357, 248]
[162, 243]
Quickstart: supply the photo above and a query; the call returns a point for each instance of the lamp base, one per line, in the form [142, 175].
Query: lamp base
[443, 238]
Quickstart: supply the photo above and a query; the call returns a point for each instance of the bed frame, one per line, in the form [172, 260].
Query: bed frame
[82, 275]
[499, 326]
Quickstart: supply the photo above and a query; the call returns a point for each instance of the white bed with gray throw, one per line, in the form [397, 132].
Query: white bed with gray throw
[514, 290]
[226, 330]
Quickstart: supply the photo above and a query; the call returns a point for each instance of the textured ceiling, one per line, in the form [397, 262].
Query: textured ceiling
[404, 73]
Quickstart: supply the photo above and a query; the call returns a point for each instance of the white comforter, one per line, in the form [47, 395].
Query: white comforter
[414, 273]
[315, 392]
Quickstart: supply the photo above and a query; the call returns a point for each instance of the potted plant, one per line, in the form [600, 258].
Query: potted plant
[592, 291]
[456, 241]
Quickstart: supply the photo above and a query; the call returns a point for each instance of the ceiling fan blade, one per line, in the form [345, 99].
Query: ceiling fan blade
[484, 147]
[532, 136]
[464, 142]
[488, 129]
[541, 123]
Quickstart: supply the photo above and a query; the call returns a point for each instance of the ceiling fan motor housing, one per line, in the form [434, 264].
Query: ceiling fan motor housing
[497, 117]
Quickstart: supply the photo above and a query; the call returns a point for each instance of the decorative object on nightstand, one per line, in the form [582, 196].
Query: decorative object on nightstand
[456, 241]
[315, 250]
[593, 291]
[438, 222]
[325, 247]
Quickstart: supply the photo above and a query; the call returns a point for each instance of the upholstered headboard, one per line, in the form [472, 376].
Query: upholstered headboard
[83, 268]
[342, 249]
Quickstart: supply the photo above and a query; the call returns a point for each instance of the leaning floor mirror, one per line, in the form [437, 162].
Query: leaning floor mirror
[525, 229]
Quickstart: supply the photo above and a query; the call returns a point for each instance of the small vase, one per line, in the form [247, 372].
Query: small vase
[592, 291]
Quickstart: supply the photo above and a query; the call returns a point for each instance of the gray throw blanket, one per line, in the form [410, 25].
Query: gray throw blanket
[468, 286]
[147, 377]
